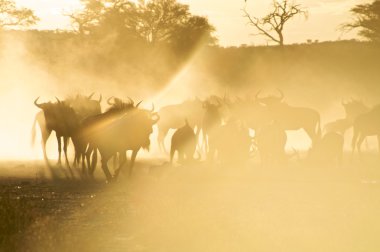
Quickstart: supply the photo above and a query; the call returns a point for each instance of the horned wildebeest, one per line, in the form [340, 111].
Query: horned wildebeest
[367, 124]
[184, 142]
[212, 120]
[173, 116]
[328, 149]
[82, 105]
[62, 119]
[270, 141]
[292, 118]
[92, 124]
[128, 131]
[352, 108]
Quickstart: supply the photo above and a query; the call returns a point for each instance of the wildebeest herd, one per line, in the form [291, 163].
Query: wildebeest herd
[218, 127]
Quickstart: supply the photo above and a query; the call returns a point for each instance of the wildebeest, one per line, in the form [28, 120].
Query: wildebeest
[173, 116]
[92, 124]
[328, 149]
[83, 107]
[292, 118]
[62, 119]
[212, 120]
[184, 142]
[270, 141]
[367, 124]
[126, 131]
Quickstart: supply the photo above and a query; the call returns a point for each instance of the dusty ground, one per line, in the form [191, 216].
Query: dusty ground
[297, 207]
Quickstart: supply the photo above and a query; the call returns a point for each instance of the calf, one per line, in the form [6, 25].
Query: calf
[184, 142]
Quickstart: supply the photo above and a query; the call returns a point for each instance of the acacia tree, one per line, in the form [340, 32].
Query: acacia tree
[155, 21]
[11, 16]
[272, 25]
[366, 17]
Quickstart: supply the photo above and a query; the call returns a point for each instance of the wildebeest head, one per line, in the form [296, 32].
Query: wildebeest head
[85, 106]
[139, 125]
[353, 108]
[120, 105]
[270, 99]
[59, 116]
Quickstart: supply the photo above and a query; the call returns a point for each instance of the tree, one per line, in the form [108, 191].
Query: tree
[272, 25]
[155, 21]
[367, 19]
[10, 15]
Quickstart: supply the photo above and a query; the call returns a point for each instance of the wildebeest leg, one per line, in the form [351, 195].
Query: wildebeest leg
[65, 144]
[105, 169]
[161, 139]
[359, 144]
[172, 152]
[132, 163]
[45, 136]
[197, 138]
[59, 149]
[122, 162]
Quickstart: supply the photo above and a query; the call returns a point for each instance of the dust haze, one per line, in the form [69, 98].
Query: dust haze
[289, 204]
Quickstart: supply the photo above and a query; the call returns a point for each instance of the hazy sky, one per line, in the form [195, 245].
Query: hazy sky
[324, 18]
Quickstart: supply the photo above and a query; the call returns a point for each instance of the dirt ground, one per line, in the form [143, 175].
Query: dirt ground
[202, 207]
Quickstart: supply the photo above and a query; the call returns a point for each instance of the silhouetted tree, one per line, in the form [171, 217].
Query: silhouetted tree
[272, 25]
[10, 15]
[367, 19]
[153, 21]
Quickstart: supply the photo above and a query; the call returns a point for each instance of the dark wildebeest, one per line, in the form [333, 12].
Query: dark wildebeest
[352, 109]
[292, 118]
[212, 120]
[128, 131]
[367, 124]
[328, 149]
[270, 141]
[92, 124]
[62, 119]
[173, 116]
[82, 105]
[184, 142]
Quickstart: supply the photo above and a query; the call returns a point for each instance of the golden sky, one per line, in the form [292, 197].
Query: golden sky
[324, 18]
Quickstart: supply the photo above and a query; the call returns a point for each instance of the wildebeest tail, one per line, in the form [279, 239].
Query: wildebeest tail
[318, 129]
[172, 150]
[33, 137]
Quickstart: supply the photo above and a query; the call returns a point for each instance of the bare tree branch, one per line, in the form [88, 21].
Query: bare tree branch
[272, 25]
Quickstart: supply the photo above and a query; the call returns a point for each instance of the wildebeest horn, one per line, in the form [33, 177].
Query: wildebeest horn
[35, 102]
[129, 98]
[281, 94]
[100, 98]
[138, 104]
[152, 110]
[59, 101]
[91, 95]
[257, 95]
[109, 101]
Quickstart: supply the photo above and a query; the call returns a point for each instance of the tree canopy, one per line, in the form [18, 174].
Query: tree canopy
[11, 15]
[366, 18]
[152, 22]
